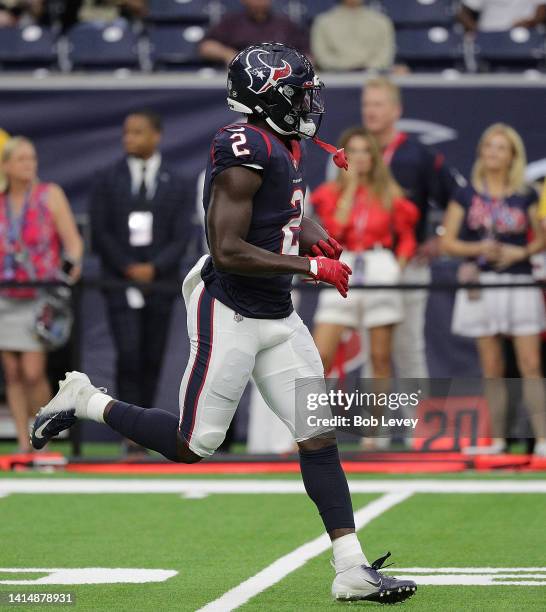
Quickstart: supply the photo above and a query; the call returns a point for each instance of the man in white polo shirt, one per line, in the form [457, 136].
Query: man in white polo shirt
[499, 15]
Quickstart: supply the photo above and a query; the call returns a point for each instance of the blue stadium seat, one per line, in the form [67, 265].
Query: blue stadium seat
[102, 45]
[419, 13]
[430, 49]
[175, 46]
[27, 48]
[516, 49]
[195, 11]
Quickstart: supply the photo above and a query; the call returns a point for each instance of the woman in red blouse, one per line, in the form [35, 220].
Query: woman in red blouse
[364, 210]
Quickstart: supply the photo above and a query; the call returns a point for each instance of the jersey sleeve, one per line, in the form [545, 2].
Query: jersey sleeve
[240, 145]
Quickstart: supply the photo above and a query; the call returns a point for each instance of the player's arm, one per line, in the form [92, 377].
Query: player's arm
[228, 223]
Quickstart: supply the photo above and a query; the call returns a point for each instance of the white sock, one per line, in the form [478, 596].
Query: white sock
[96, 405]
[348, 552]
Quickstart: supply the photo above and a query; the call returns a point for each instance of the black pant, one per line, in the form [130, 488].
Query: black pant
[140, 336]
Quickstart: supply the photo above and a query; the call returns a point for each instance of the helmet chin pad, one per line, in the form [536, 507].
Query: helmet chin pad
[308, 128]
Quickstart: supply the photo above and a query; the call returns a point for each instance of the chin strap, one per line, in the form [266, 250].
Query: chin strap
[340, 159]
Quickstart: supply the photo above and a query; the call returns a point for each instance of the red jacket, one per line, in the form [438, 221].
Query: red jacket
[369, 223]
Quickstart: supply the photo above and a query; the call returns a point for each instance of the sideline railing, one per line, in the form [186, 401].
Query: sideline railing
[175, 288]
[90, 283]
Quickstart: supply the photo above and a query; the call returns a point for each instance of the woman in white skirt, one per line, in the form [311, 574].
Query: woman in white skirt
[365, 211]
[36, 230]
[489, 223]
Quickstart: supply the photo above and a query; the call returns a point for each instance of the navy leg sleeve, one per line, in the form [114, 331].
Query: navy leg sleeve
[150, 427]
[327, 486]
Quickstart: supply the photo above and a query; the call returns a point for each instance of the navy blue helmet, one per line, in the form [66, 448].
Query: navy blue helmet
[278, 84]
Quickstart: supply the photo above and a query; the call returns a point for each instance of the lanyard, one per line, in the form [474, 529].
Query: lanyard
[16, 229]
[495, 207]
[390, 149]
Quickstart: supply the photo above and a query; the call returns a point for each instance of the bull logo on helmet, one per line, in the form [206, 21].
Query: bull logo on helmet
[262, 75]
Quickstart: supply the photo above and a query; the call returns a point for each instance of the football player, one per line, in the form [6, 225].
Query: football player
[241, 321]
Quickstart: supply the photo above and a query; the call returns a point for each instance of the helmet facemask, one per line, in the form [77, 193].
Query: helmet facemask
[296, 109]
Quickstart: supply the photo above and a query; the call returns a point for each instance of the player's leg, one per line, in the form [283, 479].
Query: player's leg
[223, 347]
[286, 373]
[290, 369]
[77, 399]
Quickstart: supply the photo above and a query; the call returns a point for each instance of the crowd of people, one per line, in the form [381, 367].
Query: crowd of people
[352, 35]
[66, 13]
[379, 211]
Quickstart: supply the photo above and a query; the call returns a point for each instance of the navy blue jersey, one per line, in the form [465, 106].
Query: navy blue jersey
[423, 175]
[276, 216]
[505, 220]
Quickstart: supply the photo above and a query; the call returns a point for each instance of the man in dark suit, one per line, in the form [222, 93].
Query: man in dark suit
[139, 220]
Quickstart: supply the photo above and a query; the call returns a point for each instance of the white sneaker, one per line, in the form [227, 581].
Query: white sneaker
[61, 412]
[540, 449]
[364, 582]
[496, 448]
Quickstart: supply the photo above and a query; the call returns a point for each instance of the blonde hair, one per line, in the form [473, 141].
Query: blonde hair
[7, 151]
[386, 84]
[380, 179]
[516, 173]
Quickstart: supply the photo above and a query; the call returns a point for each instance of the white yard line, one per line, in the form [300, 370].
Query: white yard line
[196, 487]
[283, 566]
[466, 570]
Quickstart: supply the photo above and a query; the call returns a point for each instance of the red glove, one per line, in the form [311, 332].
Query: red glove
[331, 271]
[331, 249]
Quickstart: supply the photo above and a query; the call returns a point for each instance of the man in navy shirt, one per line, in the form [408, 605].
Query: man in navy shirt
[240, 315]
[428, 182]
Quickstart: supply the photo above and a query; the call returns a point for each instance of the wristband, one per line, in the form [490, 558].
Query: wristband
[313, 267]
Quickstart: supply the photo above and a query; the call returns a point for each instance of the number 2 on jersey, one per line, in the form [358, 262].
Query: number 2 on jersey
[291, 230]
[239, 140]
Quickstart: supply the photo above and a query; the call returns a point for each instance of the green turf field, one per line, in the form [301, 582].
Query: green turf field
[212, 543]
